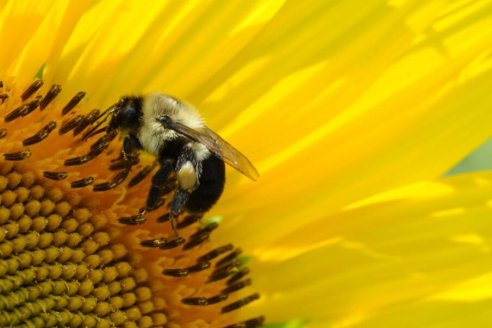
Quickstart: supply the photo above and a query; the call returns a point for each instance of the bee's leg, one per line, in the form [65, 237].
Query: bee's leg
[187, 172]
[129, 155]
[179, 200]
[159, 181]
[131, 147]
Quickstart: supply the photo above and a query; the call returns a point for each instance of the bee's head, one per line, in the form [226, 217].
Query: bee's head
[126, 113]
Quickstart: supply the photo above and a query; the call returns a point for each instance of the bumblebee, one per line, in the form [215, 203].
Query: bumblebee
[175, 133]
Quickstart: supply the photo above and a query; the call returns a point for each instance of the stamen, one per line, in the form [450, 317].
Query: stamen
[238, 275]
[200, 236]
[242, 302]
[23, 110]
[52, 93]
[134, 219]
[120, 177]
[178, 273]
[199, 267]
[105, 116]
[18, 156]
[40, 135]
[86, 158]
[95, 151]
[55, 175]
[251, 323]
[230, 267]
[104, 186]
[237, 286]
[104, 141]
[88, 119]
[118, 165]
[215, 253]
[73, 102]
[98, 150]
[30, 107]
[140, 176]
[163, 243]
[183, 272]
[204, 300]
[93, 115]
[31, 89]
[82, 125]
[70, 125]
[117, 180]
[157, 205]
[165, 217]
[193, 242]
[82, 182]
[222, 274]
[205, 230]
[78, 160]
[122, 164]
[189, 220]
[228, 258]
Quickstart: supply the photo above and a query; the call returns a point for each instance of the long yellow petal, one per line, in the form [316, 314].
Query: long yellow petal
[390, 115]
[394, 261]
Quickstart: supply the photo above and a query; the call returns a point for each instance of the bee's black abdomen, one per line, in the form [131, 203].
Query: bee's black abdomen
[212, 181]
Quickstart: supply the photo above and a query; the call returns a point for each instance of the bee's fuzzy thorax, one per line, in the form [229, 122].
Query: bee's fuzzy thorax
[158, 104]
[152, 134]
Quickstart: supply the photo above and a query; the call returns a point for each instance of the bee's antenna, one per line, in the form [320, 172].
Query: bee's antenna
[104, 129]
[94, 129]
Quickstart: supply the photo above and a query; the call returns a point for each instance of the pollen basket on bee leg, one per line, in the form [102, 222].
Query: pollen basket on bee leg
[187, 178]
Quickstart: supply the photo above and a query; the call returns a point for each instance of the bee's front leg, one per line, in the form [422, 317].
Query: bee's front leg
[131, 149]
[159, 182]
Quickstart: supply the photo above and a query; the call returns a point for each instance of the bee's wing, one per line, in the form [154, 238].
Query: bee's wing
[218, 146]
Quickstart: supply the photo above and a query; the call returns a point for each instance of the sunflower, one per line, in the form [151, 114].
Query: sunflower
[352, 112]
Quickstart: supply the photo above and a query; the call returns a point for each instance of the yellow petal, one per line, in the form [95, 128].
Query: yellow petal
[385, 116]
[398, 260]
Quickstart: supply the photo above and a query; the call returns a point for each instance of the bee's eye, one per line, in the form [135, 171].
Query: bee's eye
[164, 120]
